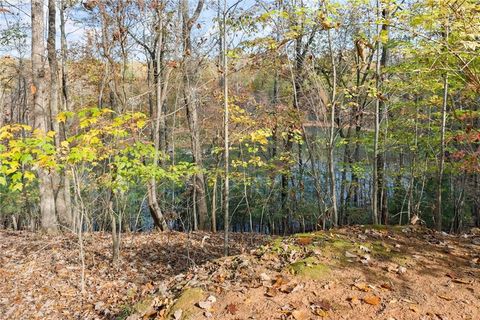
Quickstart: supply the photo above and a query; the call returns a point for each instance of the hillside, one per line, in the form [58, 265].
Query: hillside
[349, 273]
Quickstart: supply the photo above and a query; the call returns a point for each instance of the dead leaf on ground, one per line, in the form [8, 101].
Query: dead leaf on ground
[372, 300]
[414, 308]
[386, 286]
[271, 292]
[280, 281]
[362, 286]
[231, 308]
[322, 304]
[289, 288]
[177, 315]
[301, 314]
[462, 281]
[354, 300]
[305, 241]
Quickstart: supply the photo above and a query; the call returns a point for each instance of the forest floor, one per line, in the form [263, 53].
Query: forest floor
[349, 273]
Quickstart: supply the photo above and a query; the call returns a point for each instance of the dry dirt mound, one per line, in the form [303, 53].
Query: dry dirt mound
[354, 273]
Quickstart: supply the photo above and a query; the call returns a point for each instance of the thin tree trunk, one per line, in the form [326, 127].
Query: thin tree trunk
[331, 141]
[191, 105]
[441, 164]
[155, 210]
[214, 205]
[382, 192]
[375, 181]
[226, 189]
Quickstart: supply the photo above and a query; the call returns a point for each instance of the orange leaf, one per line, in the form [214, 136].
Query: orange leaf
[362, 286]
[372, 300]
[304, 241]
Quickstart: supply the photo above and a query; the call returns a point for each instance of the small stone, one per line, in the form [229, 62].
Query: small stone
[177, 315]
[265, 277]
[365, 249]
[350, 255]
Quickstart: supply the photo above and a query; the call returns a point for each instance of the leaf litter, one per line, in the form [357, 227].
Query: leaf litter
[409, 275]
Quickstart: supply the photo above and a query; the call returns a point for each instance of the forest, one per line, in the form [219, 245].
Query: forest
[228, 123]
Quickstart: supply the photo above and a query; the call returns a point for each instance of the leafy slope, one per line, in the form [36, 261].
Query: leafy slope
[354, 273]
[351, 273]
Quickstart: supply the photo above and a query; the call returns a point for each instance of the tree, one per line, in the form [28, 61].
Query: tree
[191, 100]
[40, 113]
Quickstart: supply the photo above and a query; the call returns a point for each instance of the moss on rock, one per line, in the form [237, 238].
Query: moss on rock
[187, 303]
[310, 268]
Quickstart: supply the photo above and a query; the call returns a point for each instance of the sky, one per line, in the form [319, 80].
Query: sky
[17, 12]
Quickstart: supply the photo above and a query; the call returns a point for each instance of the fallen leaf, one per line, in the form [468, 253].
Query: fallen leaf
[271, 292]
[301, 314]
[231, 308]
[362, 286]
[304, 241]
[414, 308]
[324, 305]
[462, 281]
[372, 300]
[177, 315]
[445, 297]
[451, 275]
[280, 281]
[354, 300]
[321, 313]
[386, 286]
[207, 304]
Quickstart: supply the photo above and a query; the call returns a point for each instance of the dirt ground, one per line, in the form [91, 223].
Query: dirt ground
[351, 273]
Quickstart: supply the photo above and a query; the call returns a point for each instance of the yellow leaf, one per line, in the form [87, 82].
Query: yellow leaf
[30, 176]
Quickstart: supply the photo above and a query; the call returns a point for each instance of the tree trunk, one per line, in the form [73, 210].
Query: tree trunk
[63, 211]
[214, 205]
[40, 113]
[226, 189]
[191, 105]
[375, 175]
[331, 141]
[155, 210]
[441, 160]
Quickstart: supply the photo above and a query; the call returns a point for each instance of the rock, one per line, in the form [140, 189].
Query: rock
[365, 249]
[207, 304]
[310, 268]
[350, 255]
[265, 277]
[187, 302]
[177, 315]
